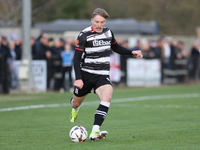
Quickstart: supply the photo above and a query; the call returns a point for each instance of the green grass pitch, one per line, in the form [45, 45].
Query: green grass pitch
[158, 118]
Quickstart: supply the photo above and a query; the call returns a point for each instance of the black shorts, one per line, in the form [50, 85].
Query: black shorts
[91, 81]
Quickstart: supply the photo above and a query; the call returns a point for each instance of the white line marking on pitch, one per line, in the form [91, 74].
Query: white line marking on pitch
[156, 106]
[142, 98]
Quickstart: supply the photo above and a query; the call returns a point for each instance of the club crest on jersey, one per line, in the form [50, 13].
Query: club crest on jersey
[101, 43]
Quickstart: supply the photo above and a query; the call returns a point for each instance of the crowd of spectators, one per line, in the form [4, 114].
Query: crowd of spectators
[42, 48]
[45, 48]
[174, 56]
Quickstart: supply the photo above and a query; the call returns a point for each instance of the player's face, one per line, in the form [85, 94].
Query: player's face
[98, 23]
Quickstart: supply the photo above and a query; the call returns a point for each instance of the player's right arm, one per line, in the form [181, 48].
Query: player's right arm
[79, 49]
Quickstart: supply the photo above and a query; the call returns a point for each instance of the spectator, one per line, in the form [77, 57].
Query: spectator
[1, 50]
[4, 46]
[73, 43]
[12, 56]
[174, 46]
[68, 40]
[194, 61]
[18, 50]
[33, 50]
[42, 47]
[52, 68]
[3, 65]
[146, 49]
[56, 49]
[125, 44]
[156, 48]
[137, 47]
[168, 53]
[123, 59]
[51, 42]
[67, 60]
[62, 43]
[183, 55]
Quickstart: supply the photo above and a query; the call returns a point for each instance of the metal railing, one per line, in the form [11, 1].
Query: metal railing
[183, 70]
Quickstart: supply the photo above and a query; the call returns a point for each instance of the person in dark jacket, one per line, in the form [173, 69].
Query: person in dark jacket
[194, 60]
[41, 48]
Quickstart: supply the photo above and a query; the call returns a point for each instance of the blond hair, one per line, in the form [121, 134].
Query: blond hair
[101, 12]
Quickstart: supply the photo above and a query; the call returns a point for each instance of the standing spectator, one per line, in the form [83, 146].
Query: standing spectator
[69, 40]
[168, 57]
[1, 50]
[182, 55]
[33, 50]
[5, 52]
[137, 45]
[42, 47]
[4, 46]
[166, 53]
[12, 56]
[18, 51]
[156, 48]
[62, 43]
[174, 46]
[73, 43]
[67, 60]
[51, 42]
[41, 51]
[123, 59]
[194, 61]
[146, 49]
[56, 49]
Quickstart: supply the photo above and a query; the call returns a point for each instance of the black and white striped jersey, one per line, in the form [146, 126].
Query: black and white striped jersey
[96, 48]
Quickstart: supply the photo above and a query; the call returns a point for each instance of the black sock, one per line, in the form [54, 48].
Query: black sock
[100, 114]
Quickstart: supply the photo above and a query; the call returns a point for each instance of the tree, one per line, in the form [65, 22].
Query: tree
[54, 9]
[42, 10]
[177, 17]
[10, 12]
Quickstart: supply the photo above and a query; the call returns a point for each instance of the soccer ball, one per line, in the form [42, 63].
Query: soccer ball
[78, 134]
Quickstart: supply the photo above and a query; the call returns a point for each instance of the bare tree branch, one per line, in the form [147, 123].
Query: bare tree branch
[5, 6]
[14, 10]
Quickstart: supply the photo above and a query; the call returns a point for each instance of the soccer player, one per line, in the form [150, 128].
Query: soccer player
[92, 64]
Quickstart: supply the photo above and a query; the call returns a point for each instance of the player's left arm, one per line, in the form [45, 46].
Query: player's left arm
[124, 51]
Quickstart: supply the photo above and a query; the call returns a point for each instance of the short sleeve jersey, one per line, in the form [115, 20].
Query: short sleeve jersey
[96, 49]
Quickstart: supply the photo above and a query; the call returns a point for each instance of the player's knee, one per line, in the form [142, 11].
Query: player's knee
[107, 98]
[75, 104]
